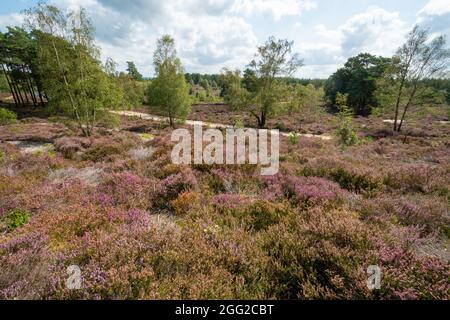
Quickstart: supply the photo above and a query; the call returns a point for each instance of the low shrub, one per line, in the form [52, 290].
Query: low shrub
[7, 117]
[302, 191]
[15, 219]
[365, 182]
[169, 188]
[294, 138]
[418, 178]
[186, 202]
[318, 255]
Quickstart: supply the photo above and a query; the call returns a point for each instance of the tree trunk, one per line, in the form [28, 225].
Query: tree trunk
[397, 104]
[16, 102]
[411, 97]
[262, 121]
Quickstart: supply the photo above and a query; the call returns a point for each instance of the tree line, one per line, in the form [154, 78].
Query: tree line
[54, 60]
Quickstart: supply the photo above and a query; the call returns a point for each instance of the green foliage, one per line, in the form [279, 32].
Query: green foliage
[239, 123]
[3, 84]
[18, 58]
[129, 93]
[101, 152]
[132, 91]
[169, 91]
[357, 79]
[294, 138]
[7, 116]
[261, 92]
[133, 72]
[108, 120]
[346, 133]
[69, 64]
[15, 219]
[403, 85]
[306, 100]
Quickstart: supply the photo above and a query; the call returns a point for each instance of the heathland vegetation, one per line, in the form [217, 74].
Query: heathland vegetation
[363, 181]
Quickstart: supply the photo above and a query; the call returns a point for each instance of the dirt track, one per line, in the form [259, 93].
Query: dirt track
[147, 116]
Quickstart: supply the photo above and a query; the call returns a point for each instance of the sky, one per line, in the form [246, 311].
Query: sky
[213, 34]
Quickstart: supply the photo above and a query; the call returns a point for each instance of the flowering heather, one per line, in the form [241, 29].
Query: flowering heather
[307, 190]
[228, 201]
[125, 189]
[169, 188]
[140, 227]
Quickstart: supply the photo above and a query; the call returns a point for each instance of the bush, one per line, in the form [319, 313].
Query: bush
[347, 136]
[294, 138]
[318, 255]
[15, 219]
[186, 202]
[108, 120]
[171, 187]
[7, 116]
[349, 177]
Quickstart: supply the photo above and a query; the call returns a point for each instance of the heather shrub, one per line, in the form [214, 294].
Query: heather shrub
[101, 152]
[126, 190]
[169, 188]
[227, 202]
[255, 214]
[302, 191]
[71, 146]
[37, 164]
[237, 179]
[430, 214]
[7, 117]
[318, 255]
[14, 219]
[106, 147]
[262, 214]
[186, 202]
[408, 276]
[348, 178]
[26, 268]
[418, 178]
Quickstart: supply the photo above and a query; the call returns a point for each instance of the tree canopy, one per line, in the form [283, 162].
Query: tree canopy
[262, 92]
[420, 58]
[69, 65]
[169, 91]
[357, 79]
[133, 71]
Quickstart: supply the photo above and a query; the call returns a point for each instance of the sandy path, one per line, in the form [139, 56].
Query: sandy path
[147, 116]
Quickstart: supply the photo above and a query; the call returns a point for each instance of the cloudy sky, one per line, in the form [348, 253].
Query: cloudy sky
[212, 34]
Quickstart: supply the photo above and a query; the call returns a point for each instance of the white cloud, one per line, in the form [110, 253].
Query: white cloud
[208, 35]
[276, 8]
[376, 31]
[14, 19]
[211, 34]
[435, 16]
[435, 7]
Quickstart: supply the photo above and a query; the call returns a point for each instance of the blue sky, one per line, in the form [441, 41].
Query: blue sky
[212, 34]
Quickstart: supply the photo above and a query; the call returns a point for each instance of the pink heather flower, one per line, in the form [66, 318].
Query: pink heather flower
[229, 201]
